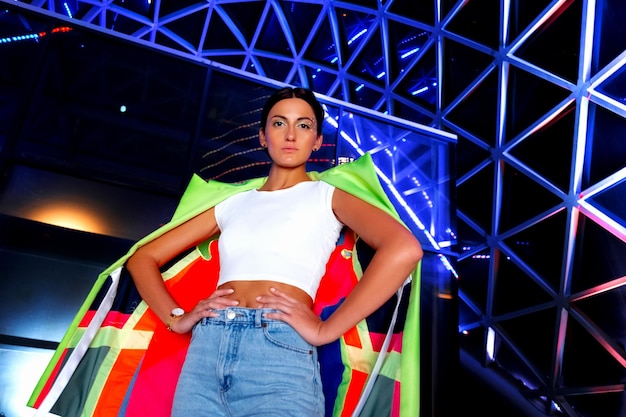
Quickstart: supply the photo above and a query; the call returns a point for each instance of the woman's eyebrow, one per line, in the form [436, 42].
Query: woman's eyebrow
[298, 119]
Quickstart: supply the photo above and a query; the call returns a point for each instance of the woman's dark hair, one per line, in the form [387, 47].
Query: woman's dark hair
[294, 92]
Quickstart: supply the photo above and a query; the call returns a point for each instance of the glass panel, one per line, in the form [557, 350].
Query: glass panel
[606, 153]
[559, 35]
[556, 135]
[411, 165]
[600, 256]
[522, 199]
[515, 290]
[600, 366]
[533, 336]
[611, 42]
[404, 43]
[612, 202]
[474, 280]
[540, 247]
[529, 99]
[477, 21]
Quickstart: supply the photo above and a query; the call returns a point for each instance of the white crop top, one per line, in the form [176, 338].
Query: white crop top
[284, 235]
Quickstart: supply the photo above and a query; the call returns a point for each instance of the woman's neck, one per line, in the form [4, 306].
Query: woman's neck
[279, 179]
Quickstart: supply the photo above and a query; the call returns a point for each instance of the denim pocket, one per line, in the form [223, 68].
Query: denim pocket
[284, 336]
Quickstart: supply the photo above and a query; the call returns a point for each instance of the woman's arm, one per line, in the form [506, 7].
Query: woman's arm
[144, 265]
[397, 253]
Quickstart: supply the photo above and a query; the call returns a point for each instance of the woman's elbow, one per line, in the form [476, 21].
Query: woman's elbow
[131, 264]
[414, 252]
[137, 261]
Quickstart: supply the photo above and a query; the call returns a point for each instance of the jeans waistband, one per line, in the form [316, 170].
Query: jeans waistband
[242, 315]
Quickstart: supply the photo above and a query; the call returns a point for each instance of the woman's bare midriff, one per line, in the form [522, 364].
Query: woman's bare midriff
[246, 292]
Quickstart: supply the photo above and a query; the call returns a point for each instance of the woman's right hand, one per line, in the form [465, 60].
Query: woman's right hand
[219, 300]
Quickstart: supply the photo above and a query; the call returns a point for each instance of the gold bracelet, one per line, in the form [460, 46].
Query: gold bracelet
[168, 325]
[176, 313]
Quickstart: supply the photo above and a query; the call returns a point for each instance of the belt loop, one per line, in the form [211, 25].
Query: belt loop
[258, 315]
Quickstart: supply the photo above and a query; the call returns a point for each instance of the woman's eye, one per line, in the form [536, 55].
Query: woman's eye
[300, 125]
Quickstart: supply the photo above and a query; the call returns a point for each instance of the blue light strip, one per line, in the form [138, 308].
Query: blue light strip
[409, 53]
[357, 36]
[22, 38]
[31, 36]
[68, 10]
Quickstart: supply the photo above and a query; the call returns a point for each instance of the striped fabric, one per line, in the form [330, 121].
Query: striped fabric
[118, 359]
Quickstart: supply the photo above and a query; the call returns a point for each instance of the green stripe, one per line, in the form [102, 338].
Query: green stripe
[380, 400]
[75, 396]
[410, 384]
[346, 377]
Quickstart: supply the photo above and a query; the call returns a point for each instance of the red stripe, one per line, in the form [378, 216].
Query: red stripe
[117, 382]
[357, 382]
[395, 401]
[86, 319]
[53, 376]
[115, 319]
[378, 339]
[112, 319]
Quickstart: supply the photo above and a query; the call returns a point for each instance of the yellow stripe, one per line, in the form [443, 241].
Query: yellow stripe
[180, 265]
[364, 360]
[99, 381]
[117, 338]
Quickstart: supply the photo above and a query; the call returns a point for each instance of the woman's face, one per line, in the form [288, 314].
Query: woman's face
[290, 133]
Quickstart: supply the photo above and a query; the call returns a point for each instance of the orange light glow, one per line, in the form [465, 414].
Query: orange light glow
[70, 216]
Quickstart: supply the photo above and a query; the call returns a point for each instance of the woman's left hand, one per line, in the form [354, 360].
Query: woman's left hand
[295, 313]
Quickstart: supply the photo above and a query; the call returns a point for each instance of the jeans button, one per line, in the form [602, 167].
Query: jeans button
[230, 314]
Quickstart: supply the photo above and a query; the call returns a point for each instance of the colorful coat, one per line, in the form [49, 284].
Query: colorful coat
[118, 359]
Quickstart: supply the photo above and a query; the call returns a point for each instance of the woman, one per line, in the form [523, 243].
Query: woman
[254, 341]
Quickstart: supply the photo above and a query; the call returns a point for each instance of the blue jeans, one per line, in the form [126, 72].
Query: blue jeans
[242, 364]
